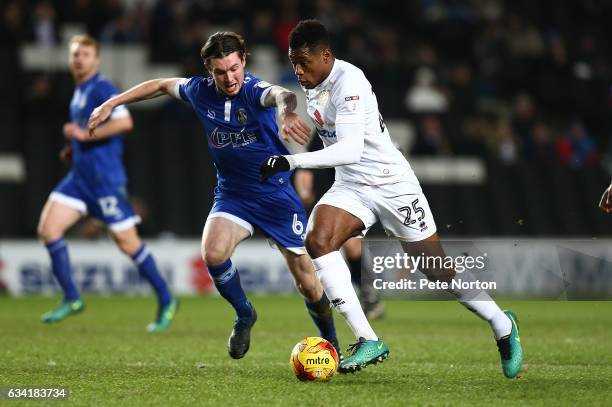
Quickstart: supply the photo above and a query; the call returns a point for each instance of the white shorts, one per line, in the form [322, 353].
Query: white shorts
[401, 208]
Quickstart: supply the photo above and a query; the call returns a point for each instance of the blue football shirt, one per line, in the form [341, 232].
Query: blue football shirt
[240, 131]
[97, 162]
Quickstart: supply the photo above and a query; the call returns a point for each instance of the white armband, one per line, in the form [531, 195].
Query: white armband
[175, 91]
[120, 112]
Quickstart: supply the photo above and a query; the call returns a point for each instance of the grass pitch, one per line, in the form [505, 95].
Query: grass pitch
[440, 355]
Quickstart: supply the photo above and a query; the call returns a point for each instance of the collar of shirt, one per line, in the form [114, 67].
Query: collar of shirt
[327, 80]
[89, 81]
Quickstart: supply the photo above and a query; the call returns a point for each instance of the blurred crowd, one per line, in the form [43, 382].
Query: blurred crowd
[508, 79]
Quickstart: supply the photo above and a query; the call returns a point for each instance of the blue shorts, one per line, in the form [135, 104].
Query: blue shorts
[280, 216]
[109, 203]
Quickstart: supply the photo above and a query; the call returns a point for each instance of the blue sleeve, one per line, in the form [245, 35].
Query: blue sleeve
[104, 91]
[255, 89]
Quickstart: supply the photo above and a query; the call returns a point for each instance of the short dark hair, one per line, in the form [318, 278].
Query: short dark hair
[222, 44]
[310, 34]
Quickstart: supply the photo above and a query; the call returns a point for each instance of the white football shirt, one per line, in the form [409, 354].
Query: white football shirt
[346, 96]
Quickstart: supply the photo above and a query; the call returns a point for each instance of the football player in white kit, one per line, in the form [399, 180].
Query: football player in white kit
[374, 182]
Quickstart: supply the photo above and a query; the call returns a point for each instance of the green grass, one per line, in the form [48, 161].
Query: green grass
[440, 355]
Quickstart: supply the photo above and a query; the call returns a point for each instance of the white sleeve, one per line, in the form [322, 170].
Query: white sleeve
[120, 112]
[175, 91]
[347, 150]
[350, 130]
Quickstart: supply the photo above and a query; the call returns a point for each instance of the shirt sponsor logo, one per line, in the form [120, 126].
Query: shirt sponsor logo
[326, 133]
[349, 98]
[220, 139]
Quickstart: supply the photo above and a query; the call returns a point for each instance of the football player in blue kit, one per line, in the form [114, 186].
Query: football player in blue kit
[96, 185]
[238, 114]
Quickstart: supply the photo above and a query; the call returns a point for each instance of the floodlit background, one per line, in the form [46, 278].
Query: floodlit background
[502, 108]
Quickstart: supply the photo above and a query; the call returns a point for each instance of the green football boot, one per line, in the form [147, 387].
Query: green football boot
[164, 317]
[63, 311]
[363, 353]
[510, 349]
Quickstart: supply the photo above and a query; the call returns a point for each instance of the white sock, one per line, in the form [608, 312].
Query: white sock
[335, 278]
[481, 303]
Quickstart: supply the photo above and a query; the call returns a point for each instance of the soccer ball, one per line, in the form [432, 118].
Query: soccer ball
[314, 359]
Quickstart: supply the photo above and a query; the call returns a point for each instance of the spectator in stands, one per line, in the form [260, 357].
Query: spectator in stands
[576, 147]
[431, 137]
[44, 29]
[425, 96]
[540, 146]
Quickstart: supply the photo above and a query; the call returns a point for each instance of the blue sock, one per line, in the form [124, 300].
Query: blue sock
[60, 265]
[321, 314]
[148, 270]
[227, 281]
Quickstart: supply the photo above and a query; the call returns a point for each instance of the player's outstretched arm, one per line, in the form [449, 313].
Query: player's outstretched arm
[606, 200]
[292, 125]
[109, 129]
[146, 90]
[348, 150]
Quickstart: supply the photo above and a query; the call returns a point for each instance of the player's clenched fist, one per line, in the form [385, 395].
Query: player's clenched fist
[272, 165]
[606, 200]
[73, 131]
[65, 155]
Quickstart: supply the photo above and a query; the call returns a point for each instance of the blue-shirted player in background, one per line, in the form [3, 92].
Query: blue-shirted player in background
[238, 114]
[96, 185]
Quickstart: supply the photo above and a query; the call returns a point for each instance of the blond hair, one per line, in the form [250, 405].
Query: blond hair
[86, 40]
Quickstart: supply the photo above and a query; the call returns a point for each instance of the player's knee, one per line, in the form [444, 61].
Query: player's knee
[128, 245]
[48, 233]
[214, 254]
[319, 244]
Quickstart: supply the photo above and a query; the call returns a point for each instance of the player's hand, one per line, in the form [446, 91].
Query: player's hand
[294, 128]
[68, 129]
[65, 155]
[606, 200]
[73, 131]
[272, 165]
[98, 116]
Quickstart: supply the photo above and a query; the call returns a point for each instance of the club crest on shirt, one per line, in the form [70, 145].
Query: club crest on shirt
[324, 98]
[241, 116]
